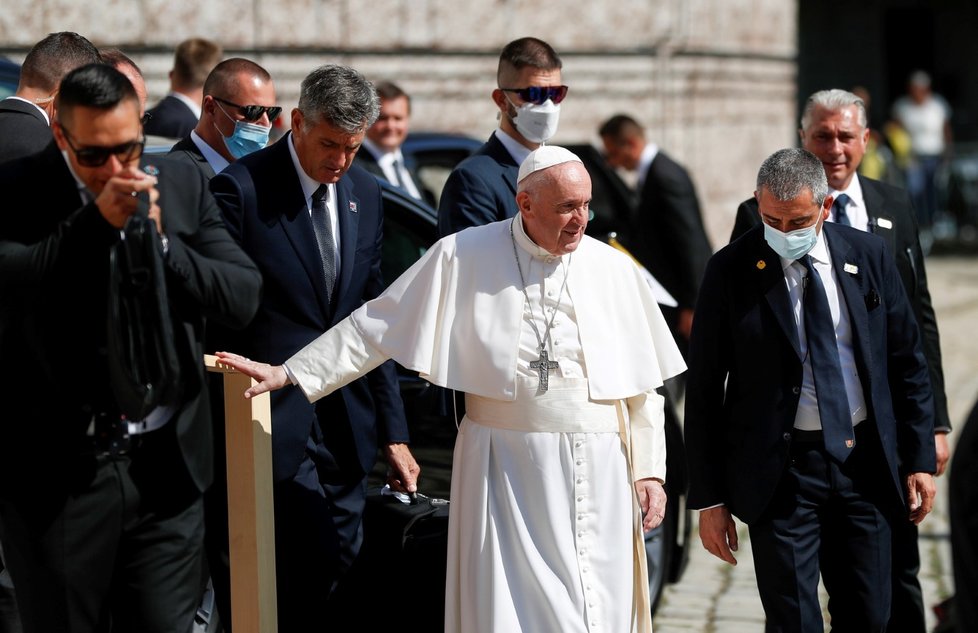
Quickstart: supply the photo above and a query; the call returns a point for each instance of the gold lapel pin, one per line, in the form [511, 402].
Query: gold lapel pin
[761, 264]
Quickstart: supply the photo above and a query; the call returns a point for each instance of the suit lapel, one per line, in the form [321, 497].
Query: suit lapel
[770, 278]
[347, 209]
[849, 277]
[295, 221]
[880, 222]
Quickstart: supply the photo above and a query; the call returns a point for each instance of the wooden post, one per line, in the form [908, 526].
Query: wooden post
[251, 529]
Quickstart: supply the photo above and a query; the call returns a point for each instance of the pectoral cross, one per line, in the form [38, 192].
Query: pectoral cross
[543, 365]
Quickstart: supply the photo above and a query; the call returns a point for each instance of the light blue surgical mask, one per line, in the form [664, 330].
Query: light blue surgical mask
[246, 138]
[793, 244]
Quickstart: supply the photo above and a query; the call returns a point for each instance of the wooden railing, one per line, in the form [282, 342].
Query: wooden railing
[251, 529]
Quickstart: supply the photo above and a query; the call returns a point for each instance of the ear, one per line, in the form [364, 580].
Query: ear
[523, 202]
[297, 121]
[59, 135]
[499, 98]
[827, 206]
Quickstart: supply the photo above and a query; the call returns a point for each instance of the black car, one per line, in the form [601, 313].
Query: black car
[410, 228]
[9, 76]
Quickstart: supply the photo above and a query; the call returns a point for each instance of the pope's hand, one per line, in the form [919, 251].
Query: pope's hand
[652, 499]
[718, 532]
[269, 377]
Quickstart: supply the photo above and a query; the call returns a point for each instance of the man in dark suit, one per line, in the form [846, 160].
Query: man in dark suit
[25, 116]
[382, 144]
[963, 517]
[808, 406]
[177, 114]
[102, 516]
[235, 119]
[669, 239]
[833, 127]
[314, 226]
[482, 188]
[237, 113]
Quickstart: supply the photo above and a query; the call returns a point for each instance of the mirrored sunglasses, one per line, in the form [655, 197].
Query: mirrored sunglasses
[540, 94]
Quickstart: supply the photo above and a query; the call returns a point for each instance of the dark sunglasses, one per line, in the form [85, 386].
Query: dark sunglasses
[540, 94]
[252, 113]
[98, 156]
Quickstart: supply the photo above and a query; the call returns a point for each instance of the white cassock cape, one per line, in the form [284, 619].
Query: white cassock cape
[543, 524]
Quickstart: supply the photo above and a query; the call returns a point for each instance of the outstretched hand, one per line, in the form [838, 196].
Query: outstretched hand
[269, 377]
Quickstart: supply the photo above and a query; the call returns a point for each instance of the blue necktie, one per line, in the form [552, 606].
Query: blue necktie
[839, 209]
[324, 238]
[823, 350]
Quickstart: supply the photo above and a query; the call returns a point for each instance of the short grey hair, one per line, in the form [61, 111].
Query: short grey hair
[339, 96]
[787, 173]
[834, 99]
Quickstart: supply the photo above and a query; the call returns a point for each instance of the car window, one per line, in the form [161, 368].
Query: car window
[408, 233]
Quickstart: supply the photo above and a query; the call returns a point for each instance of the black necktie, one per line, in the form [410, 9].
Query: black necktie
[839, 208]
[823, 350]
[324, 238]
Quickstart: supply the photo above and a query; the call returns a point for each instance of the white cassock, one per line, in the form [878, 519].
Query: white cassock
[544, 533]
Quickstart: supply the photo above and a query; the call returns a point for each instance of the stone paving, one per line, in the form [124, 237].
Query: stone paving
[714, 597]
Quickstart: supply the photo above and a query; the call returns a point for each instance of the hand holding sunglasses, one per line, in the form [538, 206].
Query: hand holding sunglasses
[539, 94]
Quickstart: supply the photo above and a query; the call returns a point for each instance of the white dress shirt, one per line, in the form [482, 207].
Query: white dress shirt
[516, 149]
[807, 418]
[309, 187]
[855, 207]
[644, 162]
[397, 175]
[217, 162]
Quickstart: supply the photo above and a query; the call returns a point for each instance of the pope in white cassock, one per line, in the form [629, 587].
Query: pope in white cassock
[559, 346]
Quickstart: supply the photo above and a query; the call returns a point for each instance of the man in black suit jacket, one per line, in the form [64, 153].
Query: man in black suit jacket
[669, 237]
[25, 116]
[482, 188]
[763, 439]
[177, 114]
[319, 264]
[207, 149]
[98, 526]
[833, 127]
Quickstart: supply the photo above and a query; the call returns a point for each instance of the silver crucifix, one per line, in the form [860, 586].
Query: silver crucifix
[543, 366]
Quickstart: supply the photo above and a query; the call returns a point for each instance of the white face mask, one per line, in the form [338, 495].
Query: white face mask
[794, 244]
[537, 123]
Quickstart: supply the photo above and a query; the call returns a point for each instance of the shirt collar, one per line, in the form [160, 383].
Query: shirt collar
[39, 108]
[213, 158]
[645, 161]
[83, 192]
[309, 185]
[523, 241]
[854, 191]
[187, 101]
[518, 151]
[382, 156]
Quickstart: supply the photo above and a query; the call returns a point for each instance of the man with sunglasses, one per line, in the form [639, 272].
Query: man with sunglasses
[313, 223]
[236, 117]
[482, 188]
[25, 116]
[101, 515]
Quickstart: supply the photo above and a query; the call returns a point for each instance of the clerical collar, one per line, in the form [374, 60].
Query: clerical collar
[517, 150]
[523, 241]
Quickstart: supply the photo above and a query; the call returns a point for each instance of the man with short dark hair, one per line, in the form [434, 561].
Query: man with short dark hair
[482, 188]
[25, 116]
[177, 114]
[670, 238]
[101, 515]
[809, 410]
[383, 141]
[236, 117]
[833, 127]
[313, 223]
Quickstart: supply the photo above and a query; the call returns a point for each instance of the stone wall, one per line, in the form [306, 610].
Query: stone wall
[713, 80]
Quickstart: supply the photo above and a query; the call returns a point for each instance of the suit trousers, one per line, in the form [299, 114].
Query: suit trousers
[118, 546]
[828, 517]
[318, 534]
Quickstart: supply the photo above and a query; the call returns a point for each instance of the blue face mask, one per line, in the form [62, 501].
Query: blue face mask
[793, 244]
[246, 138]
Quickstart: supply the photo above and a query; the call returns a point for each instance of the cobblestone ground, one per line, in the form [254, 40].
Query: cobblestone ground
[714, 597]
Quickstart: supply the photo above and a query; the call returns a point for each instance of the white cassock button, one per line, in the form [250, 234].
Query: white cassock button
[579, 499]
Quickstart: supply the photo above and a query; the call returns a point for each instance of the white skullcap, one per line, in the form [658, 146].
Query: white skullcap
[546, 156]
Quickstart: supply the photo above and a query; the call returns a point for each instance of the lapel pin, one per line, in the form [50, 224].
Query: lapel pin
[152, 170]
[761, 264]
[850, 443]
[353, 206]
[884, 223]
[852, 269]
